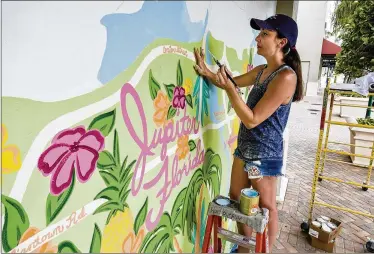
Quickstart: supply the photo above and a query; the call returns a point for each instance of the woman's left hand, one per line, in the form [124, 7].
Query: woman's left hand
[223, 80]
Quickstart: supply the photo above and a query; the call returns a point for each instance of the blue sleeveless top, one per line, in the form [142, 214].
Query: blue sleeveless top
[265, 141]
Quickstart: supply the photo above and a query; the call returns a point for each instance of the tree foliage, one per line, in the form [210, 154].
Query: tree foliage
[353, 24]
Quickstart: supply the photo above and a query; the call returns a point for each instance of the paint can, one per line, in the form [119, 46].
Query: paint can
[249, 202]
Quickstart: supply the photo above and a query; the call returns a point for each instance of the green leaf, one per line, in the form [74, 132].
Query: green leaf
[160, 240]
[189, 206]
[154, 86]
[124, 196]
[117, 158]
[108, 206]
[106, 159]
[229, 106]
[16, 222]
[125, 173]
[104, 122]
[170, 91]
[189, 100]
[171, 112]
[109, 193]
[54, 204]
[111, 213]
[177, 211]
[96, 240]
[125, 188]
[67, 247]
[140, 218]
[213, 168]
[205, 107]
[179, 74]
[108, 177]
[196, 88]
[123, 168]
[192, 145]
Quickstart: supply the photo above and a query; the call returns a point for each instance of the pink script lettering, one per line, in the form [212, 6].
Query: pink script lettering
[162, 136]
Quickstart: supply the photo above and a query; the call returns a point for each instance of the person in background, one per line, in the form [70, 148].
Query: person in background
[258, 158]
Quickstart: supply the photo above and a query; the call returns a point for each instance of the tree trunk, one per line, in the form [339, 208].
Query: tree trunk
[198, 224]
[176, 245]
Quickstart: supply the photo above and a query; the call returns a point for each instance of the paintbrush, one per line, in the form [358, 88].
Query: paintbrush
[227, 74]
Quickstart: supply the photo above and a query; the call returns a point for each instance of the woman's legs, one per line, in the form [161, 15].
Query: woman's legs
[267, 187]
[239, 181]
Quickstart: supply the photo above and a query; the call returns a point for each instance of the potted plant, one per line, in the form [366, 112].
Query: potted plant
[352, 99]
[362, 138]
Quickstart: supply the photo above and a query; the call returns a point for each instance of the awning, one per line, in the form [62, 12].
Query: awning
[330, 48]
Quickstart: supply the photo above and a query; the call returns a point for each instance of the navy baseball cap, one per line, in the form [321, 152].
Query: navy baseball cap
[281, 23]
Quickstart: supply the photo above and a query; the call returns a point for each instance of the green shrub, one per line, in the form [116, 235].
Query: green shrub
[365, 121]
[356, 95]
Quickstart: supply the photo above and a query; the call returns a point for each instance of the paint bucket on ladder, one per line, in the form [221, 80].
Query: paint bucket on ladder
[249, 202]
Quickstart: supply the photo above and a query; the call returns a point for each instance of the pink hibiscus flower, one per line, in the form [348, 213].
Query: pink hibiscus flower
[71, 149]
[179, 98]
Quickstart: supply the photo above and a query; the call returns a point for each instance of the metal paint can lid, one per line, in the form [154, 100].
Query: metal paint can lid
[223, 201]
[316, 224]
[249, 192]
[332, 225]
[325, 218]
[326, 228]
[321, 220]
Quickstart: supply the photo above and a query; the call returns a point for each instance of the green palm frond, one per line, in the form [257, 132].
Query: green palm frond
[210, 174]
[204, 96]
[159, 240]
[177, 211]
[189, 207]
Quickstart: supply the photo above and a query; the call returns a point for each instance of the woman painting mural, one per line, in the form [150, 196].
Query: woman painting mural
[258, 158]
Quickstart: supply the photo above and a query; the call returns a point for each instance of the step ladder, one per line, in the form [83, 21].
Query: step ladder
[258, 223]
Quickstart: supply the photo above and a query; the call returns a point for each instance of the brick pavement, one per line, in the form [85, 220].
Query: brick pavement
[304, 129]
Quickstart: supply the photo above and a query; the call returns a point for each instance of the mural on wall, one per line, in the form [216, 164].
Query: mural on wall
[132, 166]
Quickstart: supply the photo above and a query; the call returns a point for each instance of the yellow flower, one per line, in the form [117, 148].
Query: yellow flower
[245, 67]
[187, 86]
[132, 243]
[10, 154]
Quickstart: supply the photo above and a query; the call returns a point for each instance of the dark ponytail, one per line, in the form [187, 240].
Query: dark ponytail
[292, 59]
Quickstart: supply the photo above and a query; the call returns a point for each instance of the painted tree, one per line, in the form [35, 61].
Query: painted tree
[163, 238]
[207, 176]
[353, 23]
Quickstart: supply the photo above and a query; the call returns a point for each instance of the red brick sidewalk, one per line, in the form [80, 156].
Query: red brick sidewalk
[304, 130]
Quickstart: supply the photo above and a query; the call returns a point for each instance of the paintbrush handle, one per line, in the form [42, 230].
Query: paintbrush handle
[229, 76]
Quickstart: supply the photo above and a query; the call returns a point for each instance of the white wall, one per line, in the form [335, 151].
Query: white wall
[52, 50]
[311, 21]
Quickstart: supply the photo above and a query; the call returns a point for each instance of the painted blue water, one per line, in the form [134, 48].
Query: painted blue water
[129, 34]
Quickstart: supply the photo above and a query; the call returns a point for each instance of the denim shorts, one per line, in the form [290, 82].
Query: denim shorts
[262, 167]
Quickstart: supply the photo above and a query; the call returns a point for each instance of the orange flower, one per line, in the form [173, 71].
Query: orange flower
[161, 104]
[45, 248]
[132, 243]
[183, 147]
[10, 154]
